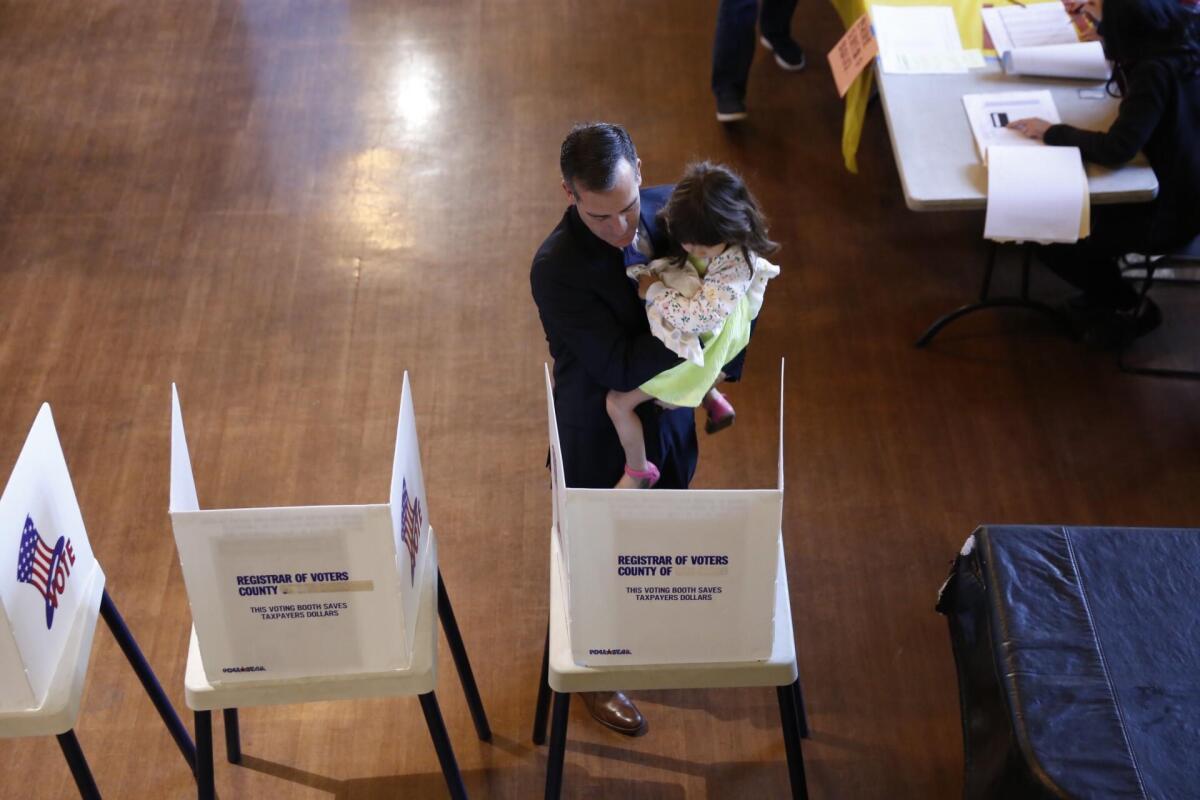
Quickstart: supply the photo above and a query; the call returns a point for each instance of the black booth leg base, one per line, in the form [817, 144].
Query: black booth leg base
[233, 737]
[971, 308]
[542, 712]
[441, 743]
[558, 745]
[141, 667]
[205, 786]
[801, 712]
[79, 766]
[791, 739]
[463, 664]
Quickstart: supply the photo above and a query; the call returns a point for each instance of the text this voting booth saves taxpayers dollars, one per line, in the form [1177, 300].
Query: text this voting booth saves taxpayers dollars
[667, 576]
[308, 590]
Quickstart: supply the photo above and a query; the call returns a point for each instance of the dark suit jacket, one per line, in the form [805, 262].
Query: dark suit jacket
[600, 339]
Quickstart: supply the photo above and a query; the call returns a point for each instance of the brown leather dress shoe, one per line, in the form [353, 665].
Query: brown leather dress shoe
[616, 711]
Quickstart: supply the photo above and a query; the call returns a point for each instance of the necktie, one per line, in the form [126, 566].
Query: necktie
[632, 255]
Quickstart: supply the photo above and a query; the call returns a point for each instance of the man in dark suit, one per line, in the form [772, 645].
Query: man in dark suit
[595, 323]
[598, 332]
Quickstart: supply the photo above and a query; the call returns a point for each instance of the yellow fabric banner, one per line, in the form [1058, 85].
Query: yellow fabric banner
[970, 28]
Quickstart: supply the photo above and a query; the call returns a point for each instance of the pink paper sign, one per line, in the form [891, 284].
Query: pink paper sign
[855, 50]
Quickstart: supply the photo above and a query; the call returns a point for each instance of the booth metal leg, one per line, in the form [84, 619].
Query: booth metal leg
[791, 741]
[441, 743]
[205, 786]
[558, 745]
[79, 766]
[986, 301]
[542, 712]
[233, 737]
[801, 713]
[145, 674]
[459, 651]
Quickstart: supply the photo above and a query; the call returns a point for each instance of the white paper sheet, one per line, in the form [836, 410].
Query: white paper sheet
[920, 39]
[1036, 194]
[989, 113]
[1033, 25]
[930, 62]
[1080, 60]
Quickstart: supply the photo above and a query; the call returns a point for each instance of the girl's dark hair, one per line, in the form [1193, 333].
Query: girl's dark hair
[1133, 30]
[711, 205]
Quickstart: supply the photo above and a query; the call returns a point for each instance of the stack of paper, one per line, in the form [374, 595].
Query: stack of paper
[1035, 25]
[1037, 194]
[1040, 39]
[989, 113]
[921, 39]
[1080, 60]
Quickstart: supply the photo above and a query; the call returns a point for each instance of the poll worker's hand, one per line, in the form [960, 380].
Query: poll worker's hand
[1033, 127]
[645, 282]
[1086, 15]
[1092, 9]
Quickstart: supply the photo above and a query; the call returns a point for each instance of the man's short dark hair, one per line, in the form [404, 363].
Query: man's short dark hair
[591, 154]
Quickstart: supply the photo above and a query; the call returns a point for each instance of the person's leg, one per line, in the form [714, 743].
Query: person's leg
[622, 410]
[1094, 270]
[775, 24]
[1108, 313]
[1092, 264]
[733, 50]
[671, 443]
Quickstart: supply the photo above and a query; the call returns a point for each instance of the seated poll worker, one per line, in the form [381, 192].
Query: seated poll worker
[599, 335]
[1156, 73]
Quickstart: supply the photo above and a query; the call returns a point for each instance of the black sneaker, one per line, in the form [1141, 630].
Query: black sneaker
[1123, 327]
[730, 108]
[788, 54]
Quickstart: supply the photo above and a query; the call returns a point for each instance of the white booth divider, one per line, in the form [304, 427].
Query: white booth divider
[667, 576]
[304, 591]
[49, 579]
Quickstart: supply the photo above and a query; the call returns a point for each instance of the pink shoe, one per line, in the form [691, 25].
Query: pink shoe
[647, 477]
[720, 412]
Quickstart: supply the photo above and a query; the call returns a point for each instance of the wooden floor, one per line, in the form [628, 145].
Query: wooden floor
[281, 205]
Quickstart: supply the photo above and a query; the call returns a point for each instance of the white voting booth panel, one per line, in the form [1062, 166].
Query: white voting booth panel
[305, 591]
[50, 583]
[667, 576]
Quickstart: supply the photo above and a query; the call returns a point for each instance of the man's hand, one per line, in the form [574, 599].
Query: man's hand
[645, 281]
[1033, 127]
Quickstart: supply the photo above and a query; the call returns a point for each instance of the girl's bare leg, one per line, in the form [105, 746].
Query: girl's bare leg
[621, 410]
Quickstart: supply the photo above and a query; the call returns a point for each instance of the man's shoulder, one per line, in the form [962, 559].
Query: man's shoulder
[561, 262]
[653, 197]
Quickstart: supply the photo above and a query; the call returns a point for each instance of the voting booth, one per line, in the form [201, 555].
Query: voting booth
[304, 591]
[667, 576]
[311, 603]
[667, 589]
[48, 572]
[51, 597]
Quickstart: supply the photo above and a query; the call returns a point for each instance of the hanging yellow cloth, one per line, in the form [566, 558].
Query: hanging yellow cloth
[970, 28]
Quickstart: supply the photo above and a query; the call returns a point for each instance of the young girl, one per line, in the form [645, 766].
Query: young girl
[1156, 72]
[700, 303]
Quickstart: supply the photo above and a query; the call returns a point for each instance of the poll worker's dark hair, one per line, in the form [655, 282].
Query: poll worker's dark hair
[1134, 30]
[591, 154]
[711, 205]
